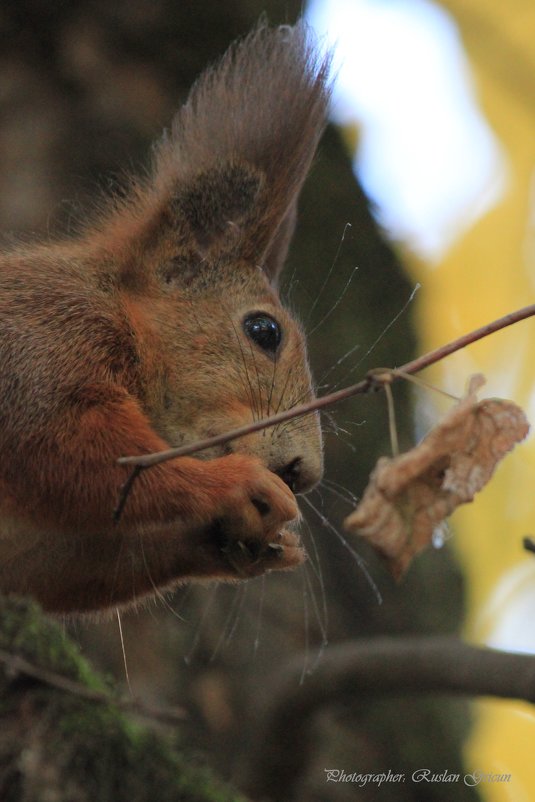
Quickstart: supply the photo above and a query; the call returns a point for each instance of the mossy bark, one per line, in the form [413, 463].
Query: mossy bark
[56, 746]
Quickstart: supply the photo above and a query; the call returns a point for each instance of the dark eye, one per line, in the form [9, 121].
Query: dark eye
[264, 331]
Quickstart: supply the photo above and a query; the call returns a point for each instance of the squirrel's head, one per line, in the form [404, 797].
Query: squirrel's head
[201, 243]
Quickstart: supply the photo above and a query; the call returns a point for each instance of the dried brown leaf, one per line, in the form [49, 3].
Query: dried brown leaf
[409, 496]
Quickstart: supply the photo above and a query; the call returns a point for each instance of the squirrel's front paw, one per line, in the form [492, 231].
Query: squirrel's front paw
[250, 530]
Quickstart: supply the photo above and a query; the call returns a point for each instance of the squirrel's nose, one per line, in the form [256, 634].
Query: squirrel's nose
[290, 473]
[299, 476]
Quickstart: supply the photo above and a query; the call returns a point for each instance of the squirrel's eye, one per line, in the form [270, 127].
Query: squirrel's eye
[264, 331]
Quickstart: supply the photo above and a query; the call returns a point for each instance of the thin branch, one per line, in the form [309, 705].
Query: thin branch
[149, 460]
[373, 381]
[15, 664]
[467, 339]
[370, 383]
[360, 669]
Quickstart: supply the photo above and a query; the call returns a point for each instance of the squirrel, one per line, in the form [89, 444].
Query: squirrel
[158, 324]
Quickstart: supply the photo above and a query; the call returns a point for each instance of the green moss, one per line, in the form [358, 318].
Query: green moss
[59, 746]
[26, 632]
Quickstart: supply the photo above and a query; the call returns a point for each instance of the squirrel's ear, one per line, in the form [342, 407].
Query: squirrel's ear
[222, 205]
[217, 205]
[242, 145]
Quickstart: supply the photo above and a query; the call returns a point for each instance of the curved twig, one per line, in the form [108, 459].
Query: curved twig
[440, 665]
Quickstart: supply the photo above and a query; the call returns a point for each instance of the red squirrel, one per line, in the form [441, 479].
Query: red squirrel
[157, 325]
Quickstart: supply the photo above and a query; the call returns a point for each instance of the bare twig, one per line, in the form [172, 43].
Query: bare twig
[373, 381]
[360, 669]
[16, 664]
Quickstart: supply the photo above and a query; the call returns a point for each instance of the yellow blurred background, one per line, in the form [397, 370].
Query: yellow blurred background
[474, 257]
[486, 273]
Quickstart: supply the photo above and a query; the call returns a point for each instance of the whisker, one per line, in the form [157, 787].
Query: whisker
[339, 491]
[356, 556]
[117, 567]
[272, 387]
[231, 621]
[199, 628]
[302, 423]
[338, 362]
[260, 611]
[329, 274]
[248, 386]
[289, 405]
[338, 430]
[300, 420]
[304, 670]
[186, 592]
[332, 427]
[157, 592]
[315, 565]
[320, 497]
[283, 391]
[324, 641]
[295, 424]
[320, 386]
[289, 285]
[125, 662]
[356, 423]
[336, 304]
[380, 337]
[258, 382]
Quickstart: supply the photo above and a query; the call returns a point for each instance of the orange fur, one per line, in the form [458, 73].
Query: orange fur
[130, 338]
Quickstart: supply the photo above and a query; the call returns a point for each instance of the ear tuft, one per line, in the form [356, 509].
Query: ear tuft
[242, 145]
